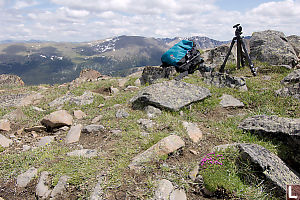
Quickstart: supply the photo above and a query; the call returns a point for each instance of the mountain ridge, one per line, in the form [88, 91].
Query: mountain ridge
[44, 62]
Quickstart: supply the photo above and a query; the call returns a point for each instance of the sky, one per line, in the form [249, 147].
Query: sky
[88, 20]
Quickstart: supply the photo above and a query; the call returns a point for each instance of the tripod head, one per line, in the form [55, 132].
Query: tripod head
[238, 30]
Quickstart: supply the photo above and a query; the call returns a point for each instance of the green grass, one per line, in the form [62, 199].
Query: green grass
[231, 178]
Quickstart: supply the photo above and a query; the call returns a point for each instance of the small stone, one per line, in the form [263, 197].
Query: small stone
[114, 90]
[193, 131]
[178, 195]
[5, 142]
[121, 82]
[152, 111]
[145, 134]
[78, 114]
[74, 134]
[64, 128]
[101, 105]
[194, 151]
[25, 178]
[42, 190]
[87, 153]
[146, 123]
[97, 119]
[193, 174]
[164, 189]
[266, 78]
[93, 128]
[4, 125]
[223, 147]
[163, 147]
[121, 113]
[137, 82]
[37, 109]
[57, 119]
[116, 132]
[45, 141]
[26, 147]
[230, 101]
[131, 88]
[61, 187]
[34, 134]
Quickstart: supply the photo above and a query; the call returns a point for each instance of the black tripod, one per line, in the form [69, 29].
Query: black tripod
[241, 56]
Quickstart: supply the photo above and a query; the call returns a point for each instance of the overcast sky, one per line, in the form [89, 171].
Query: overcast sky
[87, 20]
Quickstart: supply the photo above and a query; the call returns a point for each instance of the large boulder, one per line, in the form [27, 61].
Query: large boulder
[216, 56]
[272, 47]
[268, 166]
[295, 42]
[171, 95]
[10, 80]
[57, 119]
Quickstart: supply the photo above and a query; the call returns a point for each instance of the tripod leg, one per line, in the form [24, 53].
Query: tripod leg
[248, 58]
[239, 53]
[227, 56]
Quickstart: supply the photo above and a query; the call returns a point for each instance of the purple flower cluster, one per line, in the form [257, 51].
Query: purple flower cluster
[211, 159]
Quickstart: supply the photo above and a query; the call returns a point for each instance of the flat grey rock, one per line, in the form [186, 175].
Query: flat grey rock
[45, 141]
[74, 134]
[25, 178]
[272, 124]
[230, 101]
[93, 128]
[121, 113]
[87, 153]
[171, 95]
[163, 147]
[85, 99]
[270, 166]
[4, 141]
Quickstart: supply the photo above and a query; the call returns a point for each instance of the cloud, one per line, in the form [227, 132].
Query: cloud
[20, 4]
[83, 20]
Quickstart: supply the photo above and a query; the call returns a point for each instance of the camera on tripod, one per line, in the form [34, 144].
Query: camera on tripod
[242, 53]
[238, 29]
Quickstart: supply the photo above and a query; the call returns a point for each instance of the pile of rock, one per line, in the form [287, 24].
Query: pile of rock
[10, 80]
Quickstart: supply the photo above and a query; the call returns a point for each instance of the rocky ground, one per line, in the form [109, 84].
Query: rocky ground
[209, 136]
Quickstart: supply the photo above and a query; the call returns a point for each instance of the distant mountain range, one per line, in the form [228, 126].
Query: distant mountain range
[44, 62]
